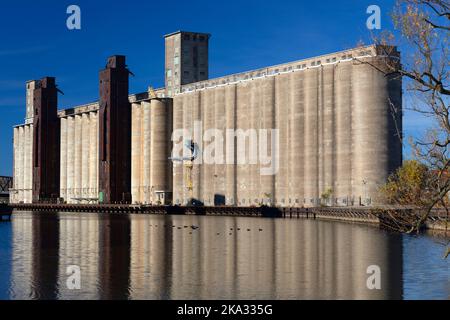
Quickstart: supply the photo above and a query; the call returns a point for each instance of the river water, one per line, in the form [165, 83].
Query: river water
[202, 257]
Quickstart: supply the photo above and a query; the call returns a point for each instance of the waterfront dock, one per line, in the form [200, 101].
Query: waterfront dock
[438, 220]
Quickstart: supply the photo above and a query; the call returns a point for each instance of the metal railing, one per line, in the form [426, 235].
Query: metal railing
[6, 183]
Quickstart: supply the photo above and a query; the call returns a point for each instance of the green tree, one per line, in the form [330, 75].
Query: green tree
[422, 32]
[408, 186]
[326, 197]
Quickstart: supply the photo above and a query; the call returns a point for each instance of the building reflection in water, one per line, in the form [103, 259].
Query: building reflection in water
[163, 257]
[35, 259]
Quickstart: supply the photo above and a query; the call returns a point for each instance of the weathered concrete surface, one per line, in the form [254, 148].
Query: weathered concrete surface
[23, 164]
[151, 147]
[333, 113]
[79, 157]
[336, 135]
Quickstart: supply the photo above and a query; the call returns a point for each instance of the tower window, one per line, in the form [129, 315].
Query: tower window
[187, 37]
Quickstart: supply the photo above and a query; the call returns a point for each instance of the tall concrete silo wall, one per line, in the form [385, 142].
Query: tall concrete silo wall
[79, 158]
[151, 170]
[23, 165]
[337, 136]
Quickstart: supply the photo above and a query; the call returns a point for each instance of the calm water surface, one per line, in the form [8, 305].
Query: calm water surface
[163, 257]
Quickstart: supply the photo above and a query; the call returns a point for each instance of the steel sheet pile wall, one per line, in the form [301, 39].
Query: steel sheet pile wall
[337, 136]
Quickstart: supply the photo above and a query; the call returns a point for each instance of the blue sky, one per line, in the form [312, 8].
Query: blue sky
[35, 42]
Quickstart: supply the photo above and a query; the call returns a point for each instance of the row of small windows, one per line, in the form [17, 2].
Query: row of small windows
[273, 71]
[365, 53]
[185, 74]
[194, 37]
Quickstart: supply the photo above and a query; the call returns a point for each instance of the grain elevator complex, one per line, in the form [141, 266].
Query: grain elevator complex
[337, 139]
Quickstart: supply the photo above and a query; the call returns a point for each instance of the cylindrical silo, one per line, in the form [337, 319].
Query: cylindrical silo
[296, 143]
[135, 151]
[192, 112]
[311, 137]
[28, 156]
[70, 159]
[21, 164]
[253, 148]
[93, 155]
[30, 163]
[169, 130]
[146, 177]
[178, 104]
[85, 150]
[14, 198]
[242, 124]
[78, 156]
[282, 89]
[230, 151]
[267, 114]
[208, 169]
[159, 156]
[370, 124]
[27, 159]
[320, 146]
[343, 138]
[63, 161]
[328, 132]
[220, 124]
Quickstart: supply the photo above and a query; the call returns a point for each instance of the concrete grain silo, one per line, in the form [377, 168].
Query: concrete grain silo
[318, 131]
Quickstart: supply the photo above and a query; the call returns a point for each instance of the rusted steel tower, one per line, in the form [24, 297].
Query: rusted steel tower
[114, 133]
[46, 141]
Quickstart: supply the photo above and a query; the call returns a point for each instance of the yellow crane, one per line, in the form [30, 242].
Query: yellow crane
[188, 163]
[152, 93]
[188, 177]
